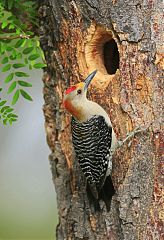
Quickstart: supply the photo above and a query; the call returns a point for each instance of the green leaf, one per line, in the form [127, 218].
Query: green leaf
[29, 3]
[2, 103]
[12, 57]
[5, 60]
[18, 31]
[4, 108]
[39, 65]
[1, 13]
[11, 26]
[28, 50]
[13, 119]
[42, 54]
[19, 55]
[26, 61]
[24, 42]
[7, 41]
[25, 95]
[4, 114]
[8, 48]
[24, 84]
[6, 68]
[9, 77]
[21, 74]
[11, 18]
[30, 66]
[14, 53]
[4, 24]
[33, 56]
[19, 65]
[10, 121]
[12, 87]
[31, 34]
[5, 121]
[19, 43]
[2, 48]
[15, 97]
[12, 115]
[9, 110]
[37, 43]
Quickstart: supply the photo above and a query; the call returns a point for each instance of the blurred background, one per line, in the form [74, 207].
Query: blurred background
[27, 194]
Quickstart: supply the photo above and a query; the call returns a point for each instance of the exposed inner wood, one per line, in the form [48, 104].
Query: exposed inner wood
[91, 55]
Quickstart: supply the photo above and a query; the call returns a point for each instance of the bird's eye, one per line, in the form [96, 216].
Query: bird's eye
[79, 91]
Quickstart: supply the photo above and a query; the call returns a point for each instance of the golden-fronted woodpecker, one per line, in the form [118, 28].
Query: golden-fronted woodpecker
[93, 138]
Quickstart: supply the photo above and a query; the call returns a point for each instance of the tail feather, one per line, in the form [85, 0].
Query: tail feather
[92, 200]
[106, 193]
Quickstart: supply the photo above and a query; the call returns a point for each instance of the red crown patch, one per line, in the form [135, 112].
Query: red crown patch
[69, 90]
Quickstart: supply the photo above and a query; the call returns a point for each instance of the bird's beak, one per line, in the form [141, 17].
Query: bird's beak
[89, 79]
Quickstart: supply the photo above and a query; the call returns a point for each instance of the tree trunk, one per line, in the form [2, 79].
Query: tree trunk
[123, 41]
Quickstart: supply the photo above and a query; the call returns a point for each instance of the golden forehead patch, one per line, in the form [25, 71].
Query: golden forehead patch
[80, 85]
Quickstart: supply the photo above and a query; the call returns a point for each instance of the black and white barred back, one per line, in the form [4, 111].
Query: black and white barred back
[92, 143]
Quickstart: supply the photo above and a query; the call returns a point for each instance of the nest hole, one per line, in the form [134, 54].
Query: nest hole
[111, 56]
[101, 52]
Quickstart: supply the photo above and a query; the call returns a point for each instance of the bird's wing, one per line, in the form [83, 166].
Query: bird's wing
[101, 155]
[92, 141]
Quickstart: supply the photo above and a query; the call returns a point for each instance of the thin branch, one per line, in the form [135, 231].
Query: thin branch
[128, 136]
[15, 37]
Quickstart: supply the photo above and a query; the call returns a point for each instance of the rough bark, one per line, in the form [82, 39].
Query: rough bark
[76, 38]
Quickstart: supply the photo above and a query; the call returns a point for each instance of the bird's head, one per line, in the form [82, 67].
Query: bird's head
[75, 96]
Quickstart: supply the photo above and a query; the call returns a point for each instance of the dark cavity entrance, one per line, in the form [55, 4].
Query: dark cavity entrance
[111, 56]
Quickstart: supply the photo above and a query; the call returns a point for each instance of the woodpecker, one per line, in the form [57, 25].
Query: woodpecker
[93, 139]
